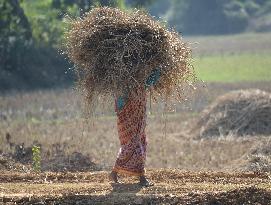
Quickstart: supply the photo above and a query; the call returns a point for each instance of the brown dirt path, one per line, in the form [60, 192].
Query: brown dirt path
[171, 187]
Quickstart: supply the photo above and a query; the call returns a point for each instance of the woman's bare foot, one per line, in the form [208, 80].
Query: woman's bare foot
[113, 176]
[143, 181]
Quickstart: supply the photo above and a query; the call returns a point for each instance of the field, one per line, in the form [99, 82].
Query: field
[171, 187]
[234, 67]
[220, 170]
[236, 58]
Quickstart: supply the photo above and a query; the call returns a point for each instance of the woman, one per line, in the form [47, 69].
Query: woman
[131, 113]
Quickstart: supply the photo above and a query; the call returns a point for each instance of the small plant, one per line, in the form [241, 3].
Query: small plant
[36, 158]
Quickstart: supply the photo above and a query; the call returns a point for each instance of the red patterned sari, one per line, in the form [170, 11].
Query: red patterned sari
[131, 128]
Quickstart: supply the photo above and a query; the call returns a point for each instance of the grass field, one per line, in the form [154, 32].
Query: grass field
[234, 67]
[232, 58]
[230, 44]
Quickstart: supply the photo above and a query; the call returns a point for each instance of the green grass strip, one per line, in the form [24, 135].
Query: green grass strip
[234, 68]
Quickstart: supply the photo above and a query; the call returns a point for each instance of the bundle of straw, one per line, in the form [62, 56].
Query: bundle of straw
[241, 113]
[114, 50]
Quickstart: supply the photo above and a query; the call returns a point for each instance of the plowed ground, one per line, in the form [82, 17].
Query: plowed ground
[170, 187]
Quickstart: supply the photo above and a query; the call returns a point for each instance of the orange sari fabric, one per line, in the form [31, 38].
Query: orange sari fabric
[131, 129]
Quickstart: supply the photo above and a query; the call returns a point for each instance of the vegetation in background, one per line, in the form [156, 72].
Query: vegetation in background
[28, 54]
[31, 31]
[220, 16]
[36, 158]
[234, 68]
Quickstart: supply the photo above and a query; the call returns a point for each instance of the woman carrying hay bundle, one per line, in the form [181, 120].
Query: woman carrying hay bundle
[131, 114]
[125, 55]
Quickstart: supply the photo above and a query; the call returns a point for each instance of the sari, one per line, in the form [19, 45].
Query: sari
[131, 113]
[131, 129]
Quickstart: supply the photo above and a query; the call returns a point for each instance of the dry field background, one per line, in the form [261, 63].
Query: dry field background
[54, 120]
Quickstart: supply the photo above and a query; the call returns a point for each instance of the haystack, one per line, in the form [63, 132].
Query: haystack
[114, 50]
[259, 158]
[243, 112]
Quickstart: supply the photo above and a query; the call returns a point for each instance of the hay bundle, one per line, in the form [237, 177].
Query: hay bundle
[114, 51]
[244, 112]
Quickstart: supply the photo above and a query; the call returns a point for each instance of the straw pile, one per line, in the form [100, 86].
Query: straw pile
[114, 51]
[244, 112]
[259, 158]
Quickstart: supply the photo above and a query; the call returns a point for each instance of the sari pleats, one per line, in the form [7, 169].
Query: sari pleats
[131, 129]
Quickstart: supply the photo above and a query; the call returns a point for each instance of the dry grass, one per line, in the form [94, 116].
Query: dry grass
[41, 116]
[242, 112]
[260, 158]
[100, 142]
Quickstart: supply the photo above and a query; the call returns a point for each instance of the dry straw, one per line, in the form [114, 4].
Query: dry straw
[244, 112]
[114, 50]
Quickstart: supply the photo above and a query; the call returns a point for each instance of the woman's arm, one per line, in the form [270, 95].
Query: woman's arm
[153, 78]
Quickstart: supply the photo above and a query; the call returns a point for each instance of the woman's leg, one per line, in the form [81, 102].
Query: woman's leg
[113, 176]
[143, 181]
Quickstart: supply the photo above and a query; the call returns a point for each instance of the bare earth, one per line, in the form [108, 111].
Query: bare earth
[171, 186]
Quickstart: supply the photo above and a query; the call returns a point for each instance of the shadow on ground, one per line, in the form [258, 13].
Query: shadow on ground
[127, 194]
